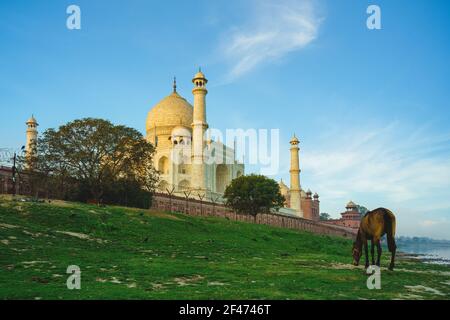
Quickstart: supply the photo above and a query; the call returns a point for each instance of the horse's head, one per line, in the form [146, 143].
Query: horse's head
[356, 254]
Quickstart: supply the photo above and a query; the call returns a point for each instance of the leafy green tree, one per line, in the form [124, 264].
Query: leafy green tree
[253, 194]
[86, 158]
[324, 216]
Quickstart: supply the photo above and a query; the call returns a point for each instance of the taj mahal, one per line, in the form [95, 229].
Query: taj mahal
[177, 130]
[184, 154]
[191, 164]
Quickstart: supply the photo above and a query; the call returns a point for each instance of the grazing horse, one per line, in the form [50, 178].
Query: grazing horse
[374, 225]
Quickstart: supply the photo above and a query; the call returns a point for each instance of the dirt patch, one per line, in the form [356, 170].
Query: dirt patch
[82, 236]
[8, 226]
[115, 280]
[157, 286]
[34, 235]
[187, 281]
[409, 297]
[111, 280]
[423, 289]
[29, 264]
[76, 235]
[216, 283]
[343, 266]
[60, 203]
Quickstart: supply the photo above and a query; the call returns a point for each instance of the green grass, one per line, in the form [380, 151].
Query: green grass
[142, 254]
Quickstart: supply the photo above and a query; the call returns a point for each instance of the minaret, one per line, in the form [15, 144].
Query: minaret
[295, 195]
[32, 134]
[199, 127]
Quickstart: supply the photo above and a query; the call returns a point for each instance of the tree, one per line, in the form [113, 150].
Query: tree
[253, 194]
[86, 158]
[324, 216]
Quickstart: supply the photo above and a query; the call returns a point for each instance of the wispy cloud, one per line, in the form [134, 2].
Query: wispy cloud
[429, 223]
[391, 166]
[274, 29]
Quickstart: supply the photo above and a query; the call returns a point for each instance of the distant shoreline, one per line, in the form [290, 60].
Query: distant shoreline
[426, 258]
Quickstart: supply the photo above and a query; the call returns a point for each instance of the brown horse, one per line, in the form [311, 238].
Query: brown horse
[374, 225]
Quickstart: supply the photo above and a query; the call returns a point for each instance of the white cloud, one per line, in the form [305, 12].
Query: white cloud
[399, 167]
[428, 223]
[404, 169]
[273, 29]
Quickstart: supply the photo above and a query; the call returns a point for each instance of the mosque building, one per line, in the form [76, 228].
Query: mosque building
[189, 161]
[351, 217]
[185, 159]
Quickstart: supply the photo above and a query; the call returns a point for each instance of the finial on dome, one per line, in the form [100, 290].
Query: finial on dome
[199, 75]
[174, 84]
[294, 140]
[32, 120]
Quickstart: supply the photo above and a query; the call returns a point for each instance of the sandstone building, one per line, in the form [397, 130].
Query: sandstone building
[351, 217]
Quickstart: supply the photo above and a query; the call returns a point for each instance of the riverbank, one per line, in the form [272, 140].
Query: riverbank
[126, 253]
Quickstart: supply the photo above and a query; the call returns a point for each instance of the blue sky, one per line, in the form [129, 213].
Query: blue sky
[371, 107]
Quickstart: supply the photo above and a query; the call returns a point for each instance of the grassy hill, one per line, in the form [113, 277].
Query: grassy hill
[139, 254]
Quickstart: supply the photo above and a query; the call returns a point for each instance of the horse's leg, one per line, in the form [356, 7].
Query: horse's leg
[391, 266]
[372, 251]
[379, 250]
[366, 251]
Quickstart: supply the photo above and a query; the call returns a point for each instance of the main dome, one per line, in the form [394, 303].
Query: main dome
[171, 111]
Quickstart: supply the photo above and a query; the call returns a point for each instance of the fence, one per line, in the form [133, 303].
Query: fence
[201, 208]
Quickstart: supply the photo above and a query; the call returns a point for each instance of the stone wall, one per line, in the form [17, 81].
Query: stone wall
[353, 224]
[207, 209]
[6, 182]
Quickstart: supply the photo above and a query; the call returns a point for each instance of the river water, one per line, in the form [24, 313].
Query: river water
[432, 253]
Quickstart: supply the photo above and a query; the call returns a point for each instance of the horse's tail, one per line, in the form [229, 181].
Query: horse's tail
[389, 220]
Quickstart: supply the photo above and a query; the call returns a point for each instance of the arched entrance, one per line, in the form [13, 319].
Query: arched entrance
[163, 165]
[221, 178]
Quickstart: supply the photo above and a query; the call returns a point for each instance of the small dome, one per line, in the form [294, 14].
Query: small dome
[309, 192]
[351, 204]
[181, 132]
[199, 75]
[283, 186]
[316, 196]
[171, 111]
[294, 140]
[31, 120]
[284, 189]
